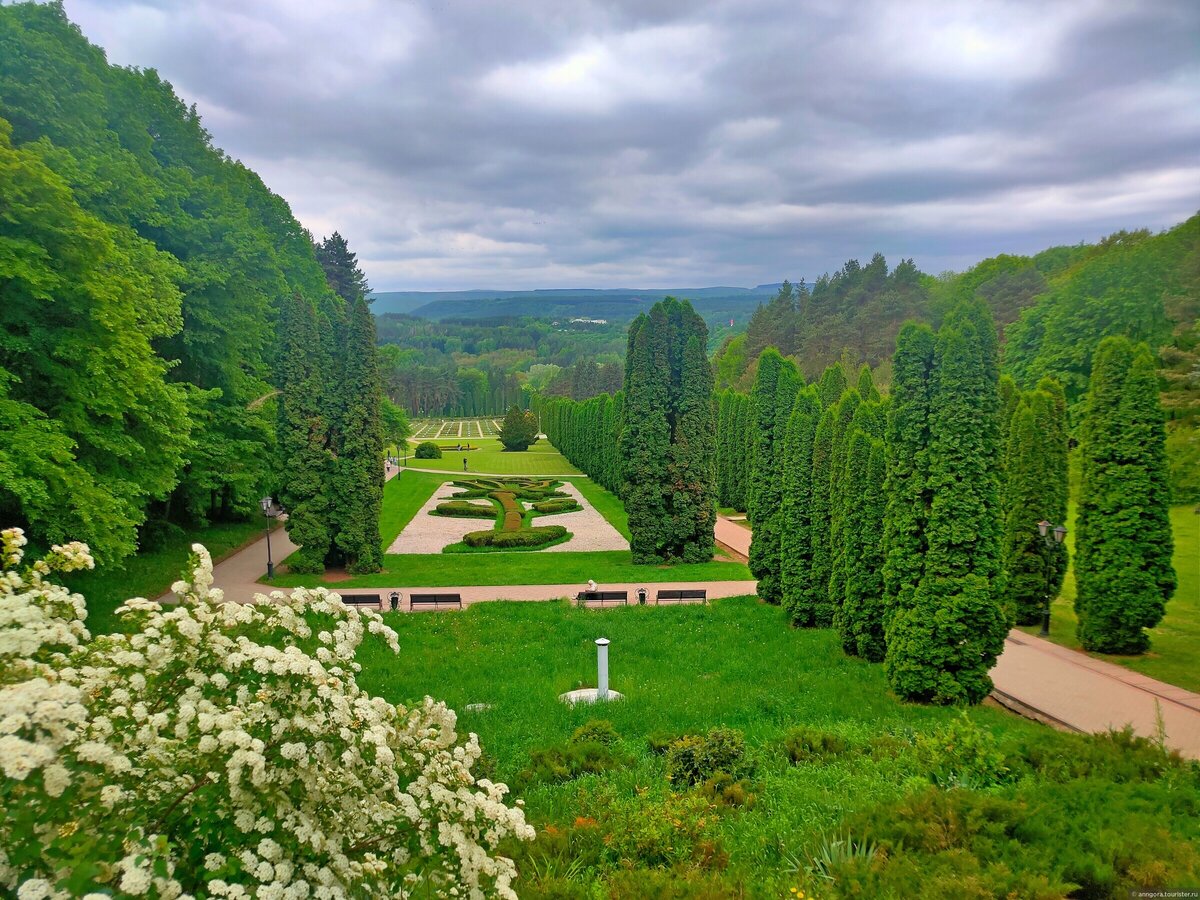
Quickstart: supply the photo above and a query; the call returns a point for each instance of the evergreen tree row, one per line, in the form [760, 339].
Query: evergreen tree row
[735, 444]
[587, 434]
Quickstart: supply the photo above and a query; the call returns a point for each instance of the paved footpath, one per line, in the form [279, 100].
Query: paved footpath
[1070, 688]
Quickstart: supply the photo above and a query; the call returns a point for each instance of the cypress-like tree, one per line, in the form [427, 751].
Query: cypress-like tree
[941, 649]
[302, 437]
[866, 385]
[1035, 468]
[777, 378]
[907, 487]
[819, 515]
[844, 414]
[860, 617]
[668, 442]
[745, 453]
[1123, 540]
[795, 523]
[832, 385]
[359, 446]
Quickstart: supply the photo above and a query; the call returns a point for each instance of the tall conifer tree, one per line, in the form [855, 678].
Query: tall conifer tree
[832, 385]
[844, 414]
[819, 516]
[796, 522]
[1123, 541]
[860, 617]
[775, 387]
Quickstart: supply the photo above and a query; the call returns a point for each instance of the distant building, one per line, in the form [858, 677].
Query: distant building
[582, 321]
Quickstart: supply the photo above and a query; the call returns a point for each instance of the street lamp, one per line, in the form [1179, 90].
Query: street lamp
[270, 511]
[1052, 536]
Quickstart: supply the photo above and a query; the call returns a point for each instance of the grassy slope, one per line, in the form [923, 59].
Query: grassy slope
[734, 663]
[150, 574]
[1175, 643]
[540, 459]
[405, 494]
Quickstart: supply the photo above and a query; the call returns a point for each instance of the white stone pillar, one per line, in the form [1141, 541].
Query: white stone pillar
[602, 668]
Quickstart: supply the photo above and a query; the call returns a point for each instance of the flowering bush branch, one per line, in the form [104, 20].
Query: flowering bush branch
[225, 750]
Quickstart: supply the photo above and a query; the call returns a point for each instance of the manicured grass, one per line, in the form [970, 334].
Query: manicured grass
[459, 569]
[151, 573]
[540, 459]
[606, 503]
[1175, 643]
[736, 663]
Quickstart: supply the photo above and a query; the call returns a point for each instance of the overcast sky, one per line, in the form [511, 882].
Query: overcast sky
[642, 143]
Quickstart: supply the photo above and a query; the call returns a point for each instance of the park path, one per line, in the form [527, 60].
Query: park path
[1069, 688]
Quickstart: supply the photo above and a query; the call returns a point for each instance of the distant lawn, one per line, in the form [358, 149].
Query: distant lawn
[537, 567]
[1175, 643]
[540, 459]
[151, 573]
[402, 497]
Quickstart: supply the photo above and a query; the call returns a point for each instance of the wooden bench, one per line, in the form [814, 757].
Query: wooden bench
[363, 600]
[688, 595]
[603, 598]
[437, 601]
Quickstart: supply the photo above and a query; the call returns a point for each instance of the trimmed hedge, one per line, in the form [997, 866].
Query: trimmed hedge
[567, 504]
[465, 510]
[428, 450]
[524, 537]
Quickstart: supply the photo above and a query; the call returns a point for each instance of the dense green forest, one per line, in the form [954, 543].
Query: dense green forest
[141, 271]
[473, 367]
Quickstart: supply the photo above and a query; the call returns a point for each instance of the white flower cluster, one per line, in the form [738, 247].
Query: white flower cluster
[224, 750]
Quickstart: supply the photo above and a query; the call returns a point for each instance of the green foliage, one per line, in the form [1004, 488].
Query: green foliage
[795, 515]
[518, 430]
[548, 507]
[694, 758]
[860, 619]
[463, 509]
[551, 765]
[596, 731]
[1123, 541]
[832, 385]
[1035, 490]
[806, 743]
[771, 402]
[839, 498]
[961, 754]
[816, 599]
[428, 450]
[538, 536]
[941, 648]
[668, 441]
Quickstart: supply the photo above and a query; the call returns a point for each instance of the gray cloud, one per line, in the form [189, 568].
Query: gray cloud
[634, 143]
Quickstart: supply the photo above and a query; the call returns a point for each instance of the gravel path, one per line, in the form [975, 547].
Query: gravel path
[589, 529]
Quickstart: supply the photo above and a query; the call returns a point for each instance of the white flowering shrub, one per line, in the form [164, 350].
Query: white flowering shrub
[225, 750]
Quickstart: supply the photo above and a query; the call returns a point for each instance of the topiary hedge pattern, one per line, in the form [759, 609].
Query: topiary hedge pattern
[510, 532]
[524, 537]
[466, 510]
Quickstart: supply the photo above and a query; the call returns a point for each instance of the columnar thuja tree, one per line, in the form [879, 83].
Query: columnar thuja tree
[832, 385]
[1035, 489]
[860, 618]
[941, 648]
[795, 518]
[771, 401]
[1123, 539]
[821, 543]
[358, 445]
[302, 437]
[844, 413]
[669, 437]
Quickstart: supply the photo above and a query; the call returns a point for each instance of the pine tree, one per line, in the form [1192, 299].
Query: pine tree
[941, 649]
[302, 436]
[775, 387]
[1035, 490]
[860, 617]
[795, 521]
[1123, 542]
[358, 474]
[341, 269]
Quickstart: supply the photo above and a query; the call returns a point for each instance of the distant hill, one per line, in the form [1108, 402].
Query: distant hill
[613, 304]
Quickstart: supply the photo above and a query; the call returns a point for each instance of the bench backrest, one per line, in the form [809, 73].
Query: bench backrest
[435, 598]
[361, 599]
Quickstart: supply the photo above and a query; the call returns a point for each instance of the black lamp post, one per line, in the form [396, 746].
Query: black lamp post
[1052, 536]
[270, 511]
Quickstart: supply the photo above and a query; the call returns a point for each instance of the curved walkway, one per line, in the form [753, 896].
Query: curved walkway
[1068, 688]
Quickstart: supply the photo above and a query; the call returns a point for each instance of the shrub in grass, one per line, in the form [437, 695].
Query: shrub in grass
[674, 828]
[694, 758]
[660, 742]
[551, 765]
[596, 731]
[525, 537]
[461, 509]
[428, 450]
[962, 754]
[806, 743]
[1120, 756]
[724, 790]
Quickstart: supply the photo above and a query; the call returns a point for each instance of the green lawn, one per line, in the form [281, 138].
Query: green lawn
[405, 494]
[625, 832]
[151, 573]
[1175, 643]
[540, 459]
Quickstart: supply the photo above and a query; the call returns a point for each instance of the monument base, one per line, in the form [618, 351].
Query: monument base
[589, 695]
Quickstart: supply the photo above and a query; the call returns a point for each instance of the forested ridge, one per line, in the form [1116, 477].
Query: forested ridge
[141, 272]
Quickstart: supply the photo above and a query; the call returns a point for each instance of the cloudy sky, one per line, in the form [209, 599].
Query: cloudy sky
[567, 143]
